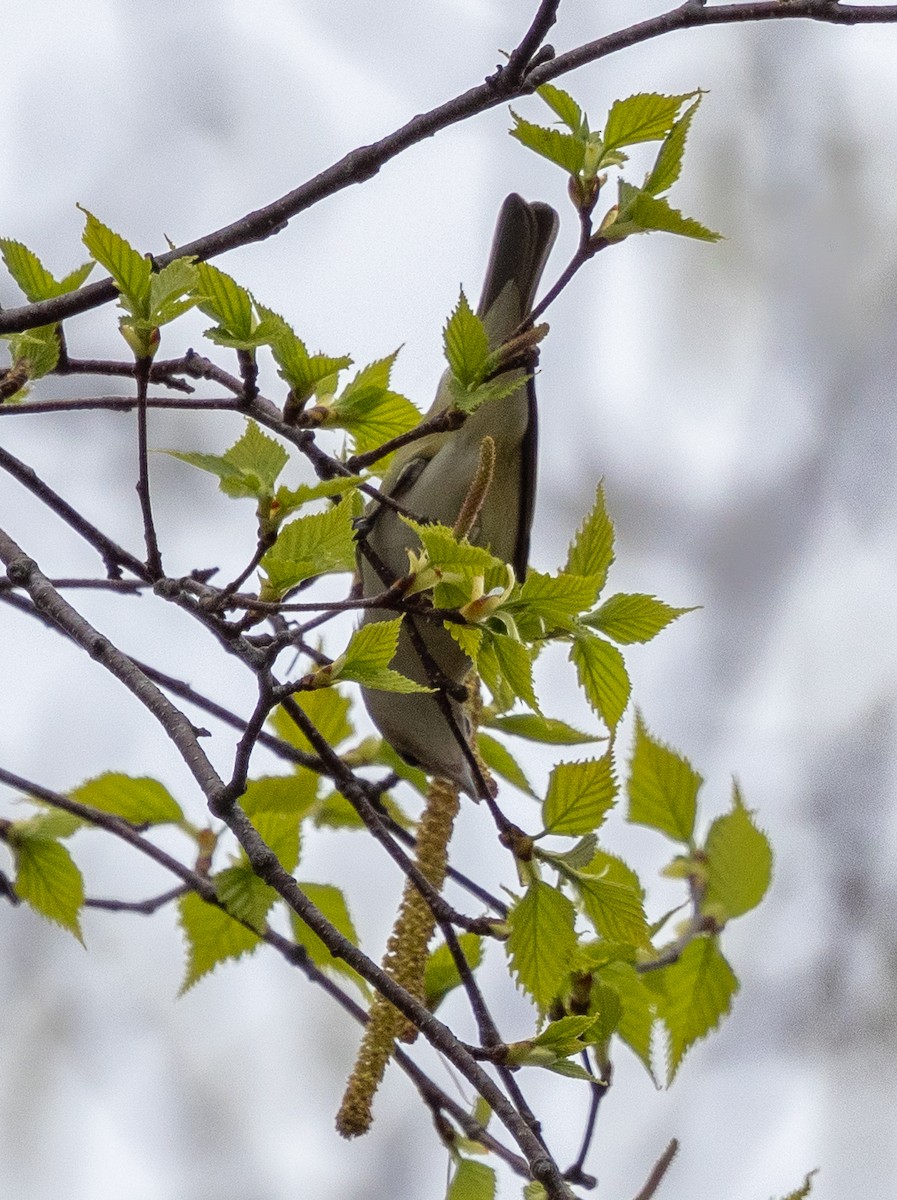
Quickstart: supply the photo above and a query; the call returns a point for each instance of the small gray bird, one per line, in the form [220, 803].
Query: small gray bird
[431, 478]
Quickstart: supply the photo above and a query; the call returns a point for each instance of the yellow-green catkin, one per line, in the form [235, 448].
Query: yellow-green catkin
[405, 960]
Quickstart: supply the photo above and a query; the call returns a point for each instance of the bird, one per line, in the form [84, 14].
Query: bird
[431, 478]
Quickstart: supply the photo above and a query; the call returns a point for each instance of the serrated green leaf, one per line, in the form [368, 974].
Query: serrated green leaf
[472, 1181]
[563, 104]
[638, 1009]
[566, 1035]
[287, 794]
[301, 370]
[48, 880]
[319, 544]
[739, 862]
[592, 549]
[550, 602]
[447, 553]
[615, 909]
[74, 279]
[466, 344]
[501, 762]
[668, 163]
[281, 832]
[28, 271]
[565, 150]
[643, 213]
[572, 1070]
[221, 298]
[246, 897]
[50, 823]
[441, 974]
[646, 117]
[506, 667]
[629, 617]
[580, 795]
[331, 903]
[542, 941]
[130, 270]
[169, 288]
[38, 348]
[328, 711]
[211, 936]
[367, 657]
[373, 416]
[138, 799]
[602, 676]
[662, 787]
[536, 728]
[700, 988]
[287, 500]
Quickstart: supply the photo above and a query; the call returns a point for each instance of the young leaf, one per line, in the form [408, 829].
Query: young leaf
[564, 149]
[739, 862]
[501, 762]
[441, 974]
[291, 795]
[580, 795]
[130, 270]
[37, 349]
[615, 909]
[602, 676]
[472, 1181]
[804, 1190]
[367, 657]
[301, 370]
[32, 276]
[638, 1009]
[643, 213]
[221, 298]
[466, 344]
[542, 941]
[48, 880]
[700, 988]
[506, 667]
[668, 164]
[331, 903]
[315, 545]
[138, 799]
[211, 936]
[563, 104]
[592, 550]
[328, 711]
[552, 600]
[663, 787]
[536, 728]
[646, 117]
[633, 617]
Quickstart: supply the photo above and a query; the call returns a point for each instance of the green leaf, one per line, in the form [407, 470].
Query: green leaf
[615, 909]
[472, 1181]
[291, 795]
[51, 824]
[668, 164]
[328, 711]
[331, 903]
[739, 862]
[506, 667]
[536, 728]
[367, 657]
[249, 469]
[301, 370]
[48, 880]
[602, 676]
[580, 795]
[281, 832]
[28, 271]
[548, 603]
[287, 500]
[221, 298]
[447, 553]
[386, 416]
[501, 762]
[169, 288]
[643, 213]
[542, 941]
[592, 550]
[567, 1035]
[441, 976]
[700, 988]
[466, 344]
[38, 348]
[633, 617]
[319, 544]
[137, 799]
[211, 936]
[646, 117]
[638, 1009]
[131, 271]
[663, 787]
[534, 1191]
[564, 149]
[563, 104]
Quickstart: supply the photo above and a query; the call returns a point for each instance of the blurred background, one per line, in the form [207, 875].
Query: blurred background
[738, 401]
